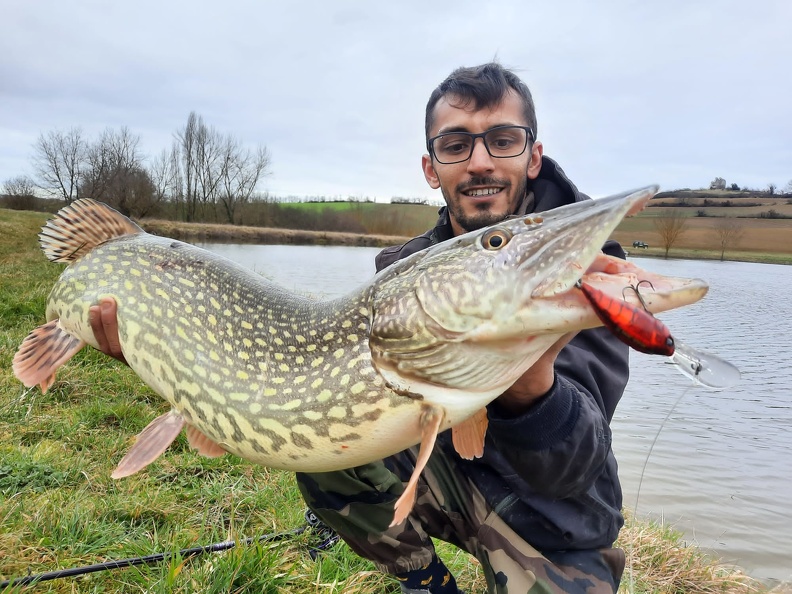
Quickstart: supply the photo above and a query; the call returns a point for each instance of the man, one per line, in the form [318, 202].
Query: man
[541, 509]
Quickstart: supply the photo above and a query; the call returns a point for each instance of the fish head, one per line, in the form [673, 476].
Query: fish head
[477, 310]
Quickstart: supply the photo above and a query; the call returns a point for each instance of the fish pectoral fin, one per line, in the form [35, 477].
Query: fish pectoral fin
[431, 418]
[204, 445]
[42, 352]
[468, 436]
[151, 442]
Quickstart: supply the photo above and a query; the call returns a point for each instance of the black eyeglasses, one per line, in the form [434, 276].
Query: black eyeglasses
[502, 142]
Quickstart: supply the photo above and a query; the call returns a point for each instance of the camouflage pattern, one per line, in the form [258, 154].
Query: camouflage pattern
[358, 504]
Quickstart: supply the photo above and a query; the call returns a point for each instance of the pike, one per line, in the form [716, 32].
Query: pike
[305, 385]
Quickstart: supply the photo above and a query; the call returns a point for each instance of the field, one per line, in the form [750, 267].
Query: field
[60, 509]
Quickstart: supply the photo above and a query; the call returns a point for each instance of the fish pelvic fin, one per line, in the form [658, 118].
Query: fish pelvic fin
[431, 418]
[468, 436]
[150, 444]
[41, 354]
[203, 444]
[81, 226]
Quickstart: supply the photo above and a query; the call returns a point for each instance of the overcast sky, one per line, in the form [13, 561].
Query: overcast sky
[627, 92]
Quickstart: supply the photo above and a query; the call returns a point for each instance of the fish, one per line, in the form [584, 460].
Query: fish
[303, 384]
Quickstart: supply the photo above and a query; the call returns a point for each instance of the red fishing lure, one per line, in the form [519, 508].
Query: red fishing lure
[632, 325]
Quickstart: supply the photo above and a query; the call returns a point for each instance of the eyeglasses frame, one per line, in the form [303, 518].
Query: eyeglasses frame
[529, 136]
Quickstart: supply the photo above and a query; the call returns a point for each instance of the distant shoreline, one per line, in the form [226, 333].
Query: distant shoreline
[263, 235]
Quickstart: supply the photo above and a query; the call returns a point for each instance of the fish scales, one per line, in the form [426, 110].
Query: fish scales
[257, 366]
[295, 383]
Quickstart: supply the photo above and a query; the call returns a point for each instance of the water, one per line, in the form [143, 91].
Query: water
[721, 468]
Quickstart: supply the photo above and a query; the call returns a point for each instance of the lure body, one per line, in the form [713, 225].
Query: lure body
[632, 325]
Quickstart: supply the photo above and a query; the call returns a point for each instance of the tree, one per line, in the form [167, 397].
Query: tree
[670, 226]
[242, 169]
[729, 232]
[788, 187]
[771, 188]
[114, 173]
[216, 173]
[21, 192]
[58, 159]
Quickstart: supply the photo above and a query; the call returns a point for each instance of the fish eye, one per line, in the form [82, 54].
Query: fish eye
[495, 239]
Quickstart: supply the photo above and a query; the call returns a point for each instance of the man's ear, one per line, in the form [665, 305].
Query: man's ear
[429, 172]
[535, 162]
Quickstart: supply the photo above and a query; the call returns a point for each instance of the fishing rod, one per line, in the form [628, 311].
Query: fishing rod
[313, 523]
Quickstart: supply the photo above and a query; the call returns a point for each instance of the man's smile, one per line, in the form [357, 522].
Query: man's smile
[477, 192]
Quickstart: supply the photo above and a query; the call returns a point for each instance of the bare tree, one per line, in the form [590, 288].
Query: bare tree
[730, 232]
[216, 173]
[114, 173]
[771, 188]
[58, 160]
[670, 226]
[21, 192]
[240, 175]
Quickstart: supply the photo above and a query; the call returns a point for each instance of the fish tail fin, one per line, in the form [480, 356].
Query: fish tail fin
[41, 354]
[81, 226]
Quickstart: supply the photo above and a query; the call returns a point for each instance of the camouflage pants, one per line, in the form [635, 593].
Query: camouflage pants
[358, 504]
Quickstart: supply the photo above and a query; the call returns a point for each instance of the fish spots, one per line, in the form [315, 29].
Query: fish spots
[299, 438]
[337, 412]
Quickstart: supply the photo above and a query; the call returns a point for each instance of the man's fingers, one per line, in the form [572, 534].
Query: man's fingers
[95, 319]
[104, 323]
[110, 325]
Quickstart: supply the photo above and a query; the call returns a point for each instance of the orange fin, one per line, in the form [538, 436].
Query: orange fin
[151, 442]
[431, 418]
[468, 436]
[80, 227]
[42, 352]
[205, 446]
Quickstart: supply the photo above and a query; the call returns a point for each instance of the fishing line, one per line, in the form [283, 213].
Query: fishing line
[631, 587]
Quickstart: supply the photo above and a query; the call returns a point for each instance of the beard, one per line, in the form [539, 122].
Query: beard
[484, 217]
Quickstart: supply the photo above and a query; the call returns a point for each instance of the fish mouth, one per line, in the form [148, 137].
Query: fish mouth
[558, 248]
[569, 240]
[570, 251]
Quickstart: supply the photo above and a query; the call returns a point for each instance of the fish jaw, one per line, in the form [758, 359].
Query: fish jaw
[569, 311]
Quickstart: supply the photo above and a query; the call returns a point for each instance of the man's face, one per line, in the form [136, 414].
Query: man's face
[482, 190]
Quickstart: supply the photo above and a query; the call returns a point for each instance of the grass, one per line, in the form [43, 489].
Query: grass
[60, 509]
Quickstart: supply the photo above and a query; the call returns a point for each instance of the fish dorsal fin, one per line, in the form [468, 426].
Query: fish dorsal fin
[80, 227]
[468, 436]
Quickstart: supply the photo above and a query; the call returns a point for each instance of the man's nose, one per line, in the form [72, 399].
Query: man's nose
[480, 159]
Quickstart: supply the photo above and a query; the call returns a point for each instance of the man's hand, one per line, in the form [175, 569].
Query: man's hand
[534, 383]
[104, 324]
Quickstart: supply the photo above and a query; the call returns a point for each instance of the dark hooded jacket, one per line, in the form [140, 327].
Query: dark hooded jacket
[550, 473]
